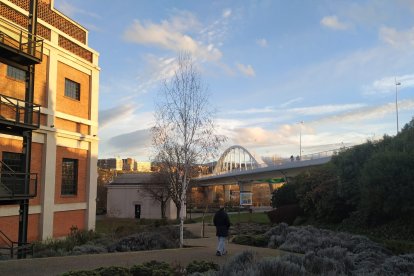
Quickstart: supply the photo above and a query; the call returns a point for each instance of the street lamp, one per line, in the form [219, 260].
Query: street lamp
[300, 140]
[396, 100]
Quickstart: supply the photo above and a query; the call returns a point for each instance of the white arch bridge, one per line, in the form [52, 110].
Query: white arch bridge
[235, 158]
[237, 164]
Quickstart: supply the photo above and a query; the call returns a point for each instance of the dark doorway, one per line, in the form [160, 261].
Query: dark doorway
[137, 211]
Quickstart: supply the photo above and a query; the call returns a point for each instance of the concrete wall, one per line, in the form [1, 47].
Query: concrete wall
[122, 199]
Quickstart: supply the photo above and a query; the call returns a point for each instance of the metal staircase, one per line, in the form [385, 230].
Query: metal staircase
[13, 184]
[19, 45]
[13, 115]
[19, 117]
[11, 248]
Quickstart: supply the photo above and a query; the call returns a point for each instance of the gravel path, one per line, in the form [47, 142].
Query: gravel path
[196, 249]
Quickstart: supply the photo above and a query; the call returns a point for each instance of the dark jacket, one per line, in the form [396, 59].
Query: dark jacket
[222, 222]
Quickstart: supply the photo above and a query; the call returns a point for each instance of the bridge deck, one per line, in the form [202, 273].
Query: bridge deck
[287, 169]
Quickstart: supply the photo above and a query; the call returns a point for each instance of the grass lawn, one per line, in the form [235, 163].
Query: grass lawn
[248, 217]
[242, 217]
[126, 226]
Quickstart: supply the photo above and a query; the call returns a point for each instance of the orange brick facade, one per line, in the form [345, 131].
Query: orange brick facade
[16, 88]
[13, 145]
[63, 225]
[10, 226]
[65, 129]
[68, 105]
[81, 156]
[55, 19]
[71, 126]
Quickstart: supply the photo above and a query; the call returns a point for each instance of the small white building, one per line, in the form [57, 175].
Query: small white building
[128, 197]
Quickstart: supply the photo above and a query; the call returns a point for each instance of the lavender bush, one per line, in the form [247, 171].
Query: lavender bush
[329, 252]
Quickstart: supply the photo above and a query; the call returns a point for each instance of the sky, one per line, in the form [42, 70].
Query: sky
[269, 65]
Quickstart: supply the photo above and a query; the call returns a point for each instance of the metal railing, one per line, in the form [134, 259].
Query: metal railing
[17, 111]
[284, 161]
[13, 247]
[21, 40]
[312, 156]
[16, 185]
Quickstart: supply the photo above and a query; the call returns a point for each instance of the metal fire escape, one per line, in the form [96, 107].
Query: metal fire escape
[19, 117]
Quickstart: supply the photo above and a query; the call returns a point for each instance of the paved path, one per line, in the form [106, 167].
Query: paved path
[201, 249]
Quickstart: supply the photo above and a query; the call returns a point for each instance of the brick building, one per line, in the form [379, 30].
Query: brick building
[64, 142]
[115, 164]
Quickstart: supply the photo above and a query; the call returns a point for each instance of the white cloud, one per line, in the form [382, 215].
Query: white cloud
[252, 111]
[262, 42]
[216, 32]
[332, 22]
[309, 110]
[156, 70]
[295, 100]
[70, 10]
[345, 127]
[399, 39]
[366, 113]
[131, 141]
[183, 21]
[112, 115]
[226, 13]
[246, 70]
[127, 136]
[172, 35]
[325, 109]
[386, 85]
[334, 77]
[254, 137]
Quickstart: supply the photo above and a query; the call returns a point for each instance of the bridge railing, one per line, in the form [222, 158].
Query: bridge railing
[284, 161]
[306, 157]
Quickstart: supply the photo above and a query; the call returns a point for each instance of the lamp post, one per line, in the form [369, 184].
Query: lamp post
[300, 140]
[396, 101]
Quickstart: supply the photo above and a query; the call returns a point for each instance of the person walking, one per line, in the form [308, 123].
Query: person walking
[222, 223]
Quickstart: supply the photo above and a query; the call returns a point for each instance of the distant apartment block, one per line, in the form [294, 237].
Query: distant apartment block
[128, 164]
[48, 122]
[144, 166]
[111, 164]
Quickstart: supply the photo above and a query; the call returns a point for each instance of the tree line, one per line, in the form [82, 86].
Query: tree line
[368, 184]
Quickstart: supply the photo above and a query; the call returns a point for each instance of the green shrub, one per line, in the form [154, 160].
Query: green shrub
[82, 273]
[79, 237]
[239, 263]
[64, 247]
[278, 267]
[113, 271]
[102, 271]
[144, 241]
[201, 266]
[285, 195]
[252, 240]
[387, 186]
[287, 214]
[152, 268]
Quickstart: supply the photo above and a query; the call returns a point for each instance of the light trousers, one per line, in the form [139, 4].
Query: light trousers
[221, 247]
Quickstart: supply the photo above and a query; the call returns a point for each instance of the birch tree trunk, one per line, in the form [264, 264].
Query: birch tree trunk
[184, 132]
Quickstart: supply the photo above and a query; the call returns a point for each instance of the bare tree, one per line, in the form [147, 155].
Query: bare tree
[158, 190]
[105, 177]
[184, 133]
